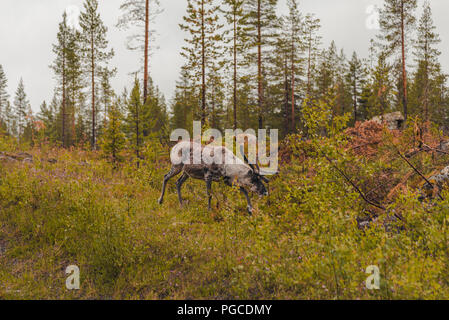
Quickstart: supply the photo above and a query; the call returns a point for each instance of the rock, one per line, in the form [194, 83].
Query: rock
[21, 157]
[5, 157]
[393, 120]
[390, 223]
[24, 155]
[444, 146]
[439, 181]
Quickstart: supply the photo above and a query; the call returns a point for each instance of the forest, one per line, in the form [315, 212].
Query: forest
[80, 177]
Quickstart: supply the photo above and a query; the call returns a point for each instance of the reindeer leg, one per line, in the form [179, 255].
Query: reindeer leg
[175, 170]
[179, 184]
[248, 200]
[208, 179]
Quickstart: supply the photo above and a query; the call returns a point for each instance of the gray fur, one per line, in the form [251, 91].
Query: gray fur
[228, 168]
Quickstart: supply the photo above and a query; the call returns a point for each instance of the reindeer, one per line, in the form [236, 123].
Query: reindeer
[214, 163]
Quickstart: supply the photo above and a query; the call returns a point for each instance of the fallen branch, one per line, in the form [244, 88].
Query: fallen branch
[435, 149]
[379, 206]
[417, 171]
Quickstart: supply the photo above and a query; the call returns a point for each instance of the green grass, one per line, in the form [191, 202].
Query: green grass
[301, 243]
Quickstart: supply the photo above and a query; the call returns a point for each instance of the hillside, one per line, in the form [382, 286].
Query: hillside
[312, 238]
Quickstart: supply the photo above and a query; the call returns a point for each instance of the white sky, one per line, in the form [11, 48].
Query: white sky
[28, 29]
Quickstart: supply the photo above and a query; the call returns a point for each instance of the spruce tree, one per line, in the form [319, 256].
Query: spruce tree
[382, 87]
[47, 115]
[106, 95]
[183, 103]
[426, 55]
[113, 139]
[4, 96]
[355, 78]
[21, 109]
[94, 46]
[154, 115]
[327, 71]
[134, 122]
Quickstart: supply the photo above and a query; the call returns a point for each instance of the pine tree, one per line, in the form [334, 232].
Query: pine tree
[59, 66]
[279, 92]
[397, 21]
[216, 87]
[21, 109]
[202, 23]
[312, 42]
[75, 85]
[95, 55]
[292, 25]
[140, 13]
[9, 119]
[4, 96]
[263, 22]
[238, 43]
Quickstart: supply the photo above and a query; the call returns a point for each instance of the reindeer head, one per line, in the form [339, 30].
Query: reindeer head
[254, 179]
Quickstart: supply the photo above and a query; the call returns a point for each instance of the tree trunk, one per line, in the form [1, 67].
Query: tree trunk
[137, 136]
[213, 107]
[286, 104]
[426, 87]
[145, 71]
[293, 84]
[235, 68]
[404, 70]
[73, 117]
[309, 65]
[64, 144]
[92, 51]
[203, 67]
[355, 99]
[259, 63]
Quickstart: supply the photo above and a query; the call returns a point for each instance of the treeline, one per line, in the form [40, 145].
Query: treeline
[245, 67]
[85, 110]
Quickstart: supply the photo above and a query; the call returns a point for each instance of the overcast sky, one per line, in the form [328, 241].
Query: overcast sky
[28, 29]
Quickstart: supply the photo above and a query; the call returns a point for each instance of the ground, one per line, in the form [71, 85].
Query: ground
[304, 241]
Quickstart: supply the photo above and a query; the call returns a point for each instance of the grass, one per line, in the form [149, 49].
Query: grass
[302, 242]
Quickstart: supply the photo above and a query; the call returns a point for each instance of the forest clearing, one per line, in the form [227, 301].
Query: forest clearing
[357, 208]
[312, 238]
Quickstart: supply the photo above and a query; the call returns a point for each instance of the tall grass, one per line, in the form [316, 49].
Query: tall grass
[302, 242]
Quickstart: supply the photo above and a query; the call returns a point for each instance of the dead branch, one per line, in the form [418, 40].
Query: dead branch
[417, 171]
[354, 185]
